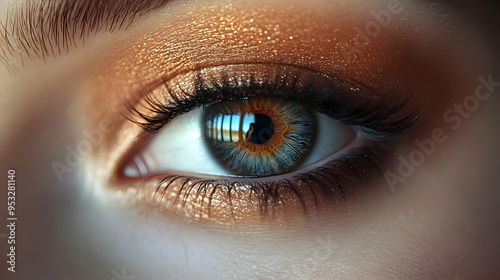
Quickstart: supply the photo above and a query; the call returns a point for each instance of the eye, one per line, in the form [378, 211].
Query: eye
[250, 137]
[232, 143]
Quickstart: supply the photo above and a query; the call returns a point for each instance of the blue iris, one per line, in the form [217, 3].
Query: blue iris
[259, 136]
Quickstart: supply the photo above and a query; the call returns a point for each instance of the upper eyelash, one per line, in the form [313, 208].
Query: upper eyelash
[375, 120]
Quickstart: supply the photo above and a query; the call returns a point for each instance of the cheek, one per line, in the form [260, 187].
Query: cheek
[445, 199]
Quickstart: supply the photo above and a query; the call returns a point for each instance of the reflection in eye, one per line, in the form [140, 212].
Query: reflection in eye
[258, 122]
[271, 135]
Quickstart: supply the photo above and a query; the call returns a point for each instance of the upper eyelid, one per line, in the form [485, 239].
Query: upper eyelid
[49, 29]
[114, 75]
[394, 117]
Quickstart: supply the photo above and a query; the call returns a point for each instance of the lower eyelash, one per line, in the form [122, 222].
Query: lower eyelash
[337, 183]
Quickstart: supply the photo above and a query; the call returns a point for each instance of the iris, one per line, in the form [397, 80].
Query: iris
[259, 136]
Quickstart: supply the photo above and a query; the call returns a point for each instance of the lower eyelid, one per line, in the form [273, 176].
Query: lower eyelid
[332, 187]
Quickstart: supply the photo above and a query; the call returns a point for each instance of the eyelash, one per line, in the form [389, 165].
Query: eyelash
[322, 179]
[372, 119]
[337, 178]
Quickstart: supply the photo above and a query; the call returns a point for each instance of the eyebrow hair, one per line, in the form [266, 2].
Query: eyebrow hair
[42, 29]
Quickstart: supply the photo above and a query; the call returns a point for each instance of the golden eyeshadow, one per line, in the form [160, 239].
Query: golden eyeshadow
[242, 33]
[220, 37]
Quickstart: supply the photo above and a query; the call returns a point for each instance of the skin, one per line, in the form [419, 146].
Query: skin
[439, 223]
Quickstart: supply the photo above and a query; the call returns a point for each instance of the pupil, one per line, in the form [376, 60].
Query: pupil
[261, 131]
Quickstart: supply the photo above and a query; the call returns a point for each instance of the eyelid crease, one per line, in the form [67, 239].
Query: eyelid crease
[378, 116]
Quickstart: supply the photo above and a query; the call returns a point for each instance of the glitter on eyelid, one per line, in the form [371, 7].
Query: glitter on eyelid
[293, 36]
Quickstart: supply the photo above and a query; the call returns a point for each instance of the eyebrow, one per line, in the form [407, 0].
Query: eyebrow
[42, 29]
